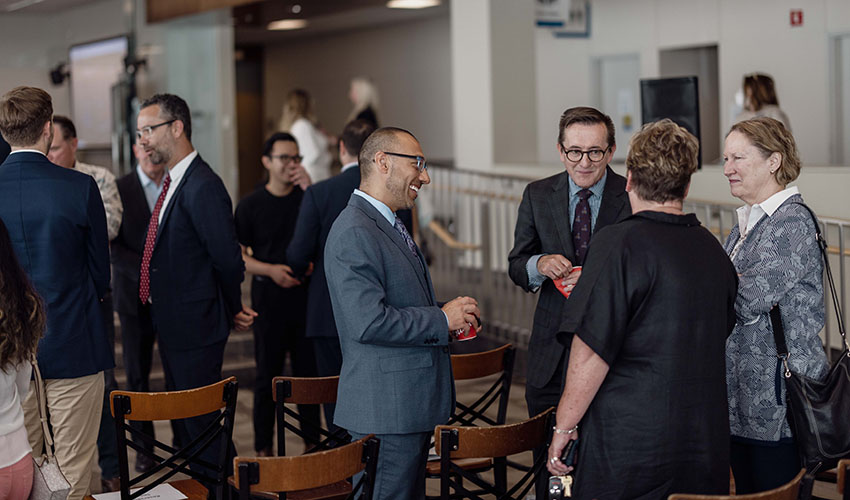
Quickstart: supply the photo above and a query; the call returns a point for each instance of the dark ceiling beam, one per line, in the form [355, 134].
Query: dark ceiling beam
[162, 10]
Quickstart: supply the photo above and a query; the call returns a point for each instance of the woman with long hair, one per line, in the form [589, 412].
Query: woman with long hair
[760, 99]
[364, 97]
[298, 119]
[21, 326]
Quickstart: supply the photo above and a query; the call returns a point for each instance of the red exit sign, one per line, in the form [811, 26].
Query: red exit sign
[796, 17]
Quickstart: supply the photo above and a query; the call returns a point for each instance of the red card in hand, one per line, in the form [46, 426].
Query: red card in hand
[561, 288]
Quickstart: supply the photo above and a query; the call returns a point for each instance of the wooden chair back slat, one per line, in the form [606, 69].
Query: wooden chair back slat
[479, 364]
[497, 441]
[175, 404]
[841, 471]
[787, 491]
[304, 472]
[309, 390]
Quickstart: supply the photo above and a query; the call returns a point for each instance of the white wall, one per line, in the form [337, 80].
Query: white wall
[409, 63]
[752, 35]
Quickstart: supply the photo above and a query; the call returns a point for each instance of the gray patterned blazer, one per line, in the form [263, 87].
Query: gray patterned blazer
[778, 263]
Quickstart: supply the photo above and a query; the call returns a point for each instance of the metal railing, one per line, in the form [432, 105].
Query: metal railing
[471, 234]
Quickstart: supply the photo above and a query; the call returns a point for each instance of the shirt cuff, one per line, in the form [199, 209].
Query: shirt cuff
[535, 279]
[447, 319]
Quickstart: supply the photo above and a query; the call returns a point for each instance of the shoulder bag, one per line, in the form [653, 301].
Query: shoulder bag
[48, 482]
[817, 410]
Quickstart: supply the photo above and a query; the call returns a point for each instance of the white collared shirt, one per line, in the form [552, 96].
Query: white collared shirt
[149, 187]
[749, 215]
[27, 151]
[176, 173]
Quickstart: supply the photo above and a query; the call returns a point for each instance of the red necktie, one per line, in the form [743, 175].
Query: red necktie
[153, 225]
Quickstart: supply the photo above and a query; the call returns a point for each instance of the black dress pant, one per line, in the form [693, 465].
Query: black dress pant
[539, 399]
[763, 466]
[107, 443]
[137, 340]
[279, 329]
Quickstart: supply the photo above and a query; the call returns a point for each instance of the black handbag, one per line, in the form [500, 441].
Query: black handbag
[818, 410]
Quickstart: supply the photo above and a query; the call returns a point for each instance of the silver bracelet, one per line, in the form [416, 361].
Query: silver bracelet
[564, 431]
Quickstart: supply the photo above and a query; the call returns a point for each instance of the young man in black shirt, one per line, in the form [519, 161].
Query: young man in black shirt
[265, 221]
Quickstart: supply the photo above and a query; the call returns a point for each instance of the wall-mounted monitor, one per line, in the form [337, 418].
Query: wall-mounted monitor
[673, 98]
[95, 67]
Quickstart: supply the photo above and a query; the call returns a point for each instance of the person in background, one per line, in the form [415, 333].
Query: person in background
[139, 190]
[299, 120]
[5, 149]
[63, 152]
[364, 96]
[57, 225]
[760, 99]
[778, 261]
[21, 326]
[265, 222]
[647, 323]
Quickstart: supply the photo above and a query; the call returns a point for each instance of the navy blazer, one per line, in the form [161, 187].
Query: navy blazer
[128, 246]
[543, 227]
[57, 223]
[396, 373]
[196, 268]
[320, 207]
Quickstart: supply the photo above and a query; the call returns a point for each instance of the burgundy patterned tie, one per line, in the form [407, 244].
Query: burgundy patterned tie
[153, 225]
[581, 225]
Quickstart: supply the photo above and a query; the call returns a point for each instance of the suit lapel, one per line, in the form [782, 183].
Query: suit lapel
[416, 262]
[559, 206]
[139, 198]
[613, 199]
[175, 197]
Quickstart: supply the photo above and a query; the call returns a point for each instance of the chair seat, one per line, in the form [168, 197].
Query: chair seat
[189, 487]
[336, 491]
[433, 467]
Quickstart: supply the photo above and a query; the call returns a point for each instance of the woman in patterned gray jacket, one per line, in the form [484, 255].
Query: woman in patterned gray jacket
[774, 250]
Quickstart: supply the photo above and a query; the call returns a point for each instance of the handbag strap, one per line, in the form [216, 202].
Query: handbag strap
[836, 304]
[41, 396]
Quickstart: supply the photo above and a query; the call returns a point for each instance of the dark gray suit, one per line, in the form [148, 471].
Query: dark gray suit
[543, 227]
[396, 374]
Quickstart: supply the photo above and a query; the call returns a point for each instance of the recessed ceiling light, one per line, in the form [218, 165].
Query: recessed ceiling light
[287, 24]
[296, 9]
[412, 4]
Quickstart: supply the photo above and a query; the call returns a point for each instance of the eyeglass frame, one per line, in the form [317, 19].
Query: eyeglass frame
[583, 153]
[421, 162]
[287, 158]
[147, 131]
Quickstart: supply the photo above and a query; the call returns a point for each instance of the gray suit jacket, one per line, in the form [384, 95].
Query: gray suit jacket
[396, 371]
[543, 227]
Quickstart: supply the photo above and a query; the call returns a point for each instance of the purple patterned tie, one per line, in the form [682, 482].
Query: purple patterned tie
[399, 226]
[581, 226]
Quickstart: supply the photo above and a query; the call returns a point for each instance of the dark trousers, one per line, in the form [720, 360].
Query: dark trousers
[328, 364]
[540, 399]
[137, 340]
[107, 443]
[190, 369]
[760, 467]
[278, 330]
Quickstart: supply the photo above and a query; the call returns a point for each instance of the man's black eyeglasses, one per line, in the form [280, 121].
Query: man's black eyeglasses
[287, 158]
[420, 161]
[147, 131]
[576, 155]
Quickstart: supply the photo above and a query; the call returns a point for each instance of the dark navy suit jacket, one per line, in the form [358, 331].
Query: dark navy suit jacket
[57, 224]
[320, 207]
[196, 268]
[128, 246]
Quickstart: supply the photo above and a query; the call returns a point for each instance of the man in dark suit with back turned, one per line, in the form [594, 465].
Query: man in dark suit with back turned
[192, 264]
[320, 207]
[138, 190]
[396, 378]
[57, 223]
[556, 219]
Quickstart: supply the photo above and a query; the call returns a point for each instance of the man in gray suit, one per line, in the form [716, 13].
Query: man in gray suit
[396, 378]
